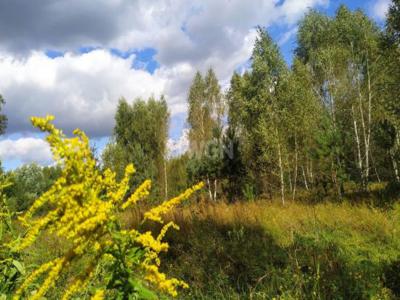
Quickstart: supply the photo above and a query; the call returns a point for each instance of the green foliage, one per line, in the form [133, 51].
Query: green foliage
[177, 174]
[205, 116]
[205, 111]
[28, 183]
[393, 22]
[233, 166]
[249, 193]
[140, 134]
[259, 115]
[11, 268]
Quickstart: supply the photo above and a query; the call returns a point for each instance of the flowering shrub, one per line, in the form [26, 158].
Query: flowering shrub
[84, 206]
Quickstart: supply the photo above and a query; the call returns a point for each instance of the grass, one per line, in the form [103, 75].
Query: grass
[262, 250]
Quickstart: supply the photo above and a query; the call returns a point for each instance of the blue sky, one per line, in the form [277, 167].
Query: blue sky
[78, 66]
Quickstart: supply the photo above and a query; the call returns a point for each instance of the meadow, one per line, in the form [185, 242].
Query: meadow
[263, 250]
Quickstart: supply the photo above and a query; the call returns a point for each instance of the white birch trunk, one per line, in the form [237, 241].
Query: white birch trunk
[165, 180]
[305, 178]
[215, 190]
[281, 174]
[209, 189]
[295, 168]
[357, 138]
[395, 166]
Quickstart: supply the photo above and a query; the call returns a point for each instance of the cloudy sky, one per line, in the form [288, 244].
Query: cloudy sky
[75, 58]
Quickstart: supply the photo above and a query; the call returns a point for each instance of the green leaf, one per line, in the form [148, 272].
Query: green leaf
[19, 266]
[143, 292]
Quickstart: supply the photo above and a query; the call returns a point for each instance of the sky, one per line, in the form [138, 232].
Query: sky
[75, 59]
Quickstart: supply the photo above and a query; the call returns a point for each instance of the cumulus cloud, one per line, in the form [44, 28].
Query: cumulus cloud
[292, 10]
[180, 30]
[379, 9]
[26, 150]
[179, 146]
[82, 90]
[287, 36]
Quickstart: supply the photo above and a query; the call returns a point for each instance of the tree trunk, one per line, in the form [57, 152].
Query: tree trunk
[395, 166]
[209, 189]
[281, 174]
[295, 167]
[368, 138]
[357, 138]
[305, 178]
[310, 172]
[165, 180]
[336, 166]
[375, 169]
[215, 190]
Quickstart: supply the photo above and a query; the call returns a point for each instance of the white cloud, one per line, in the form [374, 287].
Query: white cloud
[179, 146]
[292, 10]
[82, 90]
[287, 36]
[181, 31]
[26, 150]
[379, 8]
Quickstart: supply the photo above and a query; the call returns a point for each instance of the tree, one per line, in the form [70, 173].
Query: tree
[205, 111]
[393, 23]
[256, 111]
[140, 133]
[205, 118]
[388, 129]
[115, 158]
[343, 55]
[199, 116]
[177, 174]
[303, 119]
[28, 183]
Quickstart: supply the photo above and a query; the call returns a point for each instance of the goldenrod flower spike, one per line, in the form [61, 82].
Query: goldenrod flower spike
[99, 295]
[141, 192]
[155, 213]
[85, 205]
[51, 278]
[43, 268]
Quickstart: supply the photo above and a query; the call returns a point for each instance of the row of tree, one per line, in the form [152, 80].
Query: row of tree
[329, 120]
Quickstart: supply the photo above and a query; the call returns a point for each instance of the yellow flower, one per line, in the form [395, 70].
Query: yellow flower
[99, 295]
[169, 286]
[86, 204]
[165, 229]
[43, 268]
[147, 240]
[156, 212]
[142, 191]
[51, 278]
